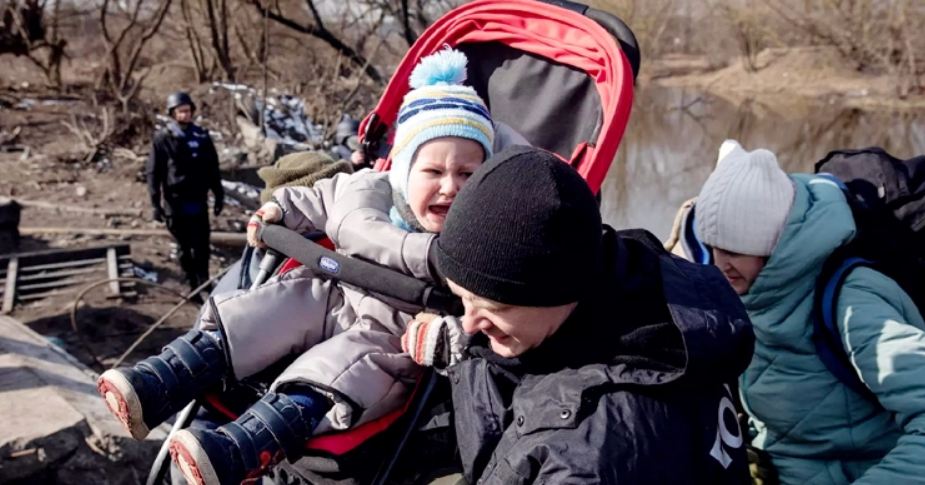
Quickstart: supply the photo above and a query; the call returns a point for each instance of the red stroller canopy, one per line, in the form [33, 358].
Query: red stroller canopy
[555, 75]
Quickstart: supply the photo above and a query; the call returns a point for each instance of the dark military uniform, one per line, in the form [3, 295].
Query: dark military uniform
[183, 167]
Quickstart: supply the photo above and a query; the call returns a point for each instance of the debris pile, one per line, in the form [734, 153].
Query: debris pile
[8, 140]
[286, 125]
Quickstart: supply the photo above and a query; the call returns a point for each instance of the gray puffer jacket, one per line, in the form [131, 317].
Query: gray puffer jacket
[348, 342]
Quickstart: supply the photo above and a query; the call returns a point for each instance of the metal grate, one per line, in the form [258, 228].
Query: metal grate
[32, 276]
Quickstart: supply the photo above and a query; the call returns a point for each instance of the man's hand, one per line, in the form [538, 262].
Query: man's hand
[218, 205]
[267, 214]
[435, 341]
[157, 215]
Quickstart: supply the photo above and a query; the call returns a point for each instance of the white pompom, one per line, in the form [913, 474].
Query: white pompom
[440, 68]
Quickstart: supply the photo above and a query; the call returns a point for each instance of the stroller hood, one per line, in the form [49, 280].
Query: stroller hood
[555, 75]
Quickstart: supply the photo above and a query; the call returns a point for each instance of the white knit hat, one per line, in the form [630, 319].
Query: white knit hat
[745, 202]
[438, 105]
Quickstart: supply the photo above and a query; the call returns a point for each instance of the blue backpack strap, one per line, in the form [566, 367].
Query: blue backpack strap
[826, 336]
[832, 178]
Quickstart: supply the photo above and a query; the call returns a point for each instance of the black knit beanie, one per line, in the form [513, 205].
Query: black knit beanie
[524, 230]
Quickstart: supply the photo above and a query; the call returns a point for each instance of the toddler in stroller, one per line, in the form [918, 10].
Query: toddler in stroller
[351, 368]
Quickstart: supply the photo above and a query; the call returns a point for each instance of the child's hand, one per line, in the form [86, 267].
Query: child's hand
[434, 341]
[267, 214]
[357, 158]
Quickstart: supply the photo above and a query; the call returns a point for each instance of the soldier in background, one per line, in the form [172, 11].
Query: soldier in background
[182, 168]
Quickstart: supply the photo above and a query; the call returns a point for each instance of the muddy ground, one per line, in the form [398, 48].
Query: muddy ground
[45, 163]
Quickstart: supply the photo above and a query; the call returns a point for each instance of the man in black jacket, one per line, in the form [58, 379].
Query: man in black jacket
[182, 168]
[597, 357]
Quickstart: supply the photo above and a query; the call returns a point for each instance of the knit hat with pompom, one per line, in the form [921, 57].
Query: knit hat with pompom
[437, 106]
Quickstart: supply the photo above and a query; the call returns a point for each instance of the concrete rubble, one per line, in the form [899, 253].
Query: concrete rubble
[54, 428]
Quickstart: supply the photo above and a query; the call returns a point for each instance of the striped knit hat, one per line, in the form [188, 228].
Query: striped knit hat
[438, 105]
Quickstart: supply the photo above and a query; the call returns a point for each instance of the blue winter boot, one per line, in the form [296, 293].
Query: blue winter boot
[274, 428]
[145, 395]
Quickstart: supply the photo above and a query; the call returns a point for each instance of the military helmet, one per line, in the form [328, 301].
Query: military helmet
[179, 98]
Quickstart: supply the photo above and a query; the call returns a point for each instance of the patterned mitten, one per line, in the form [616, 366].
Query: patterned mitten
[435, 341]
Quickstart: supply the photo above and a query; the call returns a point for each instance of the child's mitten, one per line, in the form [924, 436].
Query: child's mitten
[267, 214]
[435, 341]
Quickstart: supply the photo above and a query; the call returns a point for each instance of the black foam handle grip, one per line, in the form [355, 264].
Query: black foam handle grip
[369, 276]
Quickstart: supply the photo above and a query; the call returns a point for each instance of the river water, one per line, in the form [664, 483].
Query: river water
[670, 146]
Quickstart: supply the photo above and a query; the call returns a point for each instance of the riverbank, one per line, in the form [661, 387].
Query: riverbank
[785, 77]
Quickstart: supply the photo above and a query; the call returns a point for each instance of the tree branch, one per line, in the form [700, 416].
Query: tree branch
[410, 35]
[324, 35]
[136, 52]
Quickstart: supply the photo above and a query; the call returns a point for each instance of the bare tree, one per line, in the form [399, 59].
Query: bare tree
[27, 32]
[650, 20]
[319, 30]
[95, 137]
[217, 11]
[878, 36]
[204, 68]
[123, 50]
[208, 26]
[749, 28]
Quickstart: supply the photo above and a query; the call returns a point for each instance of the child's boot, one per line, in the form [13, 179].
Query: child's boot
[274, 428]
[145, 395]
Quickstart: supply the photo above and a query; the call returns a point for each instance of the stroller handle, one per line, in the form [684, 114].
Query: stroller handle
[371, 277]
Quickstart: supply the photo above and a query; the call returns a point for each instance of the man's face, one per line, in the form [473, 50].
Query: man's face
[183, 114]
[740, 270]
[511, 329]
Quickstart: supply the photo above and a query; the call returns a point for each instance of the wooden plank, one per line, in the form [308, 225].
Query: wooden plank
[25, 275]
[57, 272]
[46, 294]
[216, 237]
[23, 289]
[67, 291]
[64, 255]
[68, 207]
[9, 289]
[45, 275]
[65, 264]
[112, 268]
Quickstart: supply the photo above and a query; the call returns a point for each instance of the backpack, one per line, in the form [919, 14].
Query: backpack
[887, 200]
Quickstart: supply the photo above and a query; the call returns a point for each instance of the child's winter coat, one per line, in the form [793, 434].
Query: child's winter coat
[349, 341]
